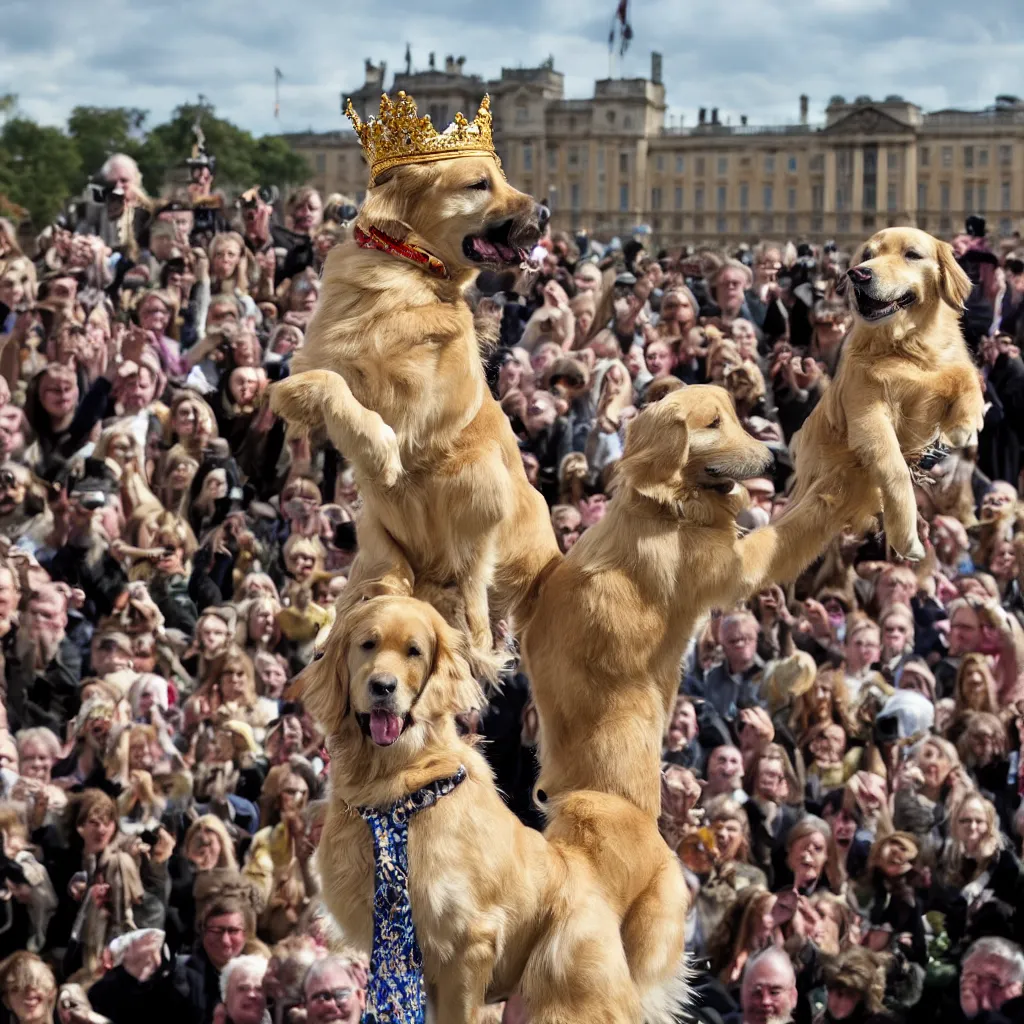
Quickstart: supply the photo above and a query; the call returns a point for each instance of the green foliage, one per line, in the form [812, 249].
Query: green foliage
[41, 168]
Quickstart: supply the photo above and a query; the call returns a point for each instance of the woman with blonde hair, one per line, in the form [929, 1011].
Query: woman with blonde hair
[177, 468]
[29, 988]
[190, 423]
[272, 861]
[980, 881]
[229, 265]
[207, 845]
[229, 684]
[304, 211]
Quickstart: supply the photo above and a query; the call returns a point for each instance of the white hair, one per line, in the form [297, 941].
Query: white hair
[323, 965]
[999, 949]
[122, 158]
[773, 956]
[247, 964]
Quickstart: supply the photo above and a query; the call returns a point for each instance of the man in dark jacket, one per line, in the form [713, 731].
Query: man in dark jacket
[186, 990]
[43, 669]
[1002, 440]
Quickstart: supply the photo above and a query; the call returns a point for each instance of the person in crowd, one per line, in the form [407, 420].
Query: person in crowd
[844, 751]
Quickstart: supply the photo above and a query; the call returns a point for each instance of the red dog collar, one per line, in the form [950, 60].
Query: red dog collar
[375, 239]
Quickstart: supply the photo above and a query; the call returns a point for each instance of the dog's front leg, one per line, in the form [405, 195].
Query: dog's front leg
[461, 990]
[780, 552]
[322, 398]
[965, 413]
[872, 436]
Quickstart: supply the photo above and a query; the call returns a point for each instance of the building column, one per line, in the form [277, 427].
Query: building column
[882, 184]
[857, 199]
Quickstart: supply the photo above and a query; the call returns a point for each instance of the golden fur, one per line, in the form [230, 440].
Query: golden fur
[905, 382]
[391, 366]
[612, 620]
[497, 906]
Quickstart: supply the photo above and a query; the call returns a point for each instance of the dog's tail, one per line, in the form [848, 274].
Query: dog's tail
[667, 1003]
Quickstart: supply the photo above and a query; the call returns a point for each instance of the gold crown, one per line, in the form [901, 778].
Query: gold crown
[398, 136]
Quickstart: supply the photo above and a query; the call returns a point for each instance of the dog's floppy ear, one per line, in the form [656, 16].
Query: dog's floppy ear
[954, 284]
[657, 448]
[394, 195]
[450, 687]
[323, 685]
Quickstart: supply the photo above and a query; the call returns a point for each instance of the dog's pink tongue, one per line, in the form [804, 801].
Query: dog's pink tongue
[385, 727]
[485, 249]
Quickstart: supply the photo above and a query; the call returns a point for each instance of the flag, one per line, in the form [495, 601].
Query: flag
[620, 21]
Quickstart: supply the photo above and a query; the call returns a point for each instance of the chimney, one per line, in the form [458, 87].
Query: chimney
[702, 116]
[743, 120]
[714, 115]
[803, 109]
[656, 68]
[433, 65]
[449, 65]
[460, 64]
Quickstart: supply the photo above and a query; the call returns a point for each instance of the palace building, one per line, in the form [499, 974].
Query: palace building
[611, 162]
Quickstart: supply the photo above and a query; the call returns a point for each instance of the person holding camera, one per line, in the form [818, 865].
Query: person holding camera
[117, 207]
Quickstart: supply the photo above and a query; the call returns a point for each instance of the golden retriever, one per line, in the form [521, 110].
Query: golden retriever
[392, 368]
[905, 381]
[498, 908]
[611, 623]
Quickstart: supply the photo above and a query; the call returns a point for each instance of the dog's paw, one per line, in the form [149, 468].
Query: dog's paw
[962, 437]
[302, 401]
[913, 552]
[392, 468]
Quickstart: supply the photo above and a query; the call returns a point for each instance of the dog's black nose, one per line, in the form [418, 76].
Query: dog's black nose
[543, 215]
[382, 685]
[859, 275]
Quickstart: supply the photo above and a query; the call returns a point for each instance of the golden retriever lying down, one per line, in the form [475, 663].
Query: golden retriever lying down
[497, 906]
[612, 620]
[391, 367]
[905, 381]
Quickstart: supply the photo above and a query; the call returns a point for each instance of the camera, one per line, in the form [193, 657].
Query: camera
[91, 500]
[267, 194]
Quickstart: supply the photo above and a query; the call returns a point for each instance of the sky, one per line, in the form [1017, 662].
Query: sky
[752, 57]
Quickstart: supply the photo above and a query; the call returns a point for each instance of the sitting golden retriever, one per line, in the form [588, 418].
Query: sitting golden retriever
[497, 907]
[612, 621]
[905, 381]
[391, 366]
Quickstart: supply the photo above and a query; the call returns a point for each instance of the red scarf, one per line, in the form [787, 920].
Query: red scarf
[375, 239]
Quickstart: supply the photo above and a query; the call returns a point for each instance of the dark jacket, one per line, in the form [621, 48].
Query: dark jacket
[185, 990]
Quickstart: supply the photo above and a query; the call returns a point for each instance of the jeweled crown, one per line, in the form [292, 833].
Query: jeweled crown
[399, 136]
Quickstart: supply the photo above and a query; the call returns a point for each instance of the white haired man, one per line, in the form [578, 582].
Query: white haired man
[992, 981]
[243, 1000]
[334, 992]
[769, 988]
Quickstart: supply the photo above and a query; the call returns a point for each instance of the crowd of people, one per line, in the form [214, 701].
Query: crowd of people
[841, 774]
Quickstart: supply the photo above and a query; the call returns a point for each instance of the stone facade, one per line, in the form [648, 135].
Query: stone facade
[611, 162]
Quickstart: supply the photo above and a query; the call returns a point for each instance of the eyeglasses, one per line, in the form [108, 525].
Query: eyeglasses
[224, 933]
[334, 995]
[987, 982]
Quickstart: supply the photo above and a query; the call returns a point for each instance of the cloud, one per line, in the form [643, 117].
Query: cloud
[752, 57]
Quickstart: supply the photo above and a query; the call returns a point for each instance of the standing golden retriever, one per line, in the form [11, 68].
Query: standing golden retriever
[604, 645]
[497, 907]
[391, 366]
[905, 381]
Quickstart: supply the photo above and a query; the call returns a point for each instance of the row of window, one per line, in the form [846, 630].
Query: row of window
[793, 224]
[972, 156]
[975, 198]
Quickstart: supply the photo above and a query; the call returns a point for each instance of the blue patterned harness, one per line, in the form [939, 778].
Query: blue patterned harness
[396, 993]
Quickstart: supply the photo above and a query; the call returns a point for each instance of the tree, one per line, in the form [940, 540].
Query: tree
[97, 132]
[40, 168]
[242, 160]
